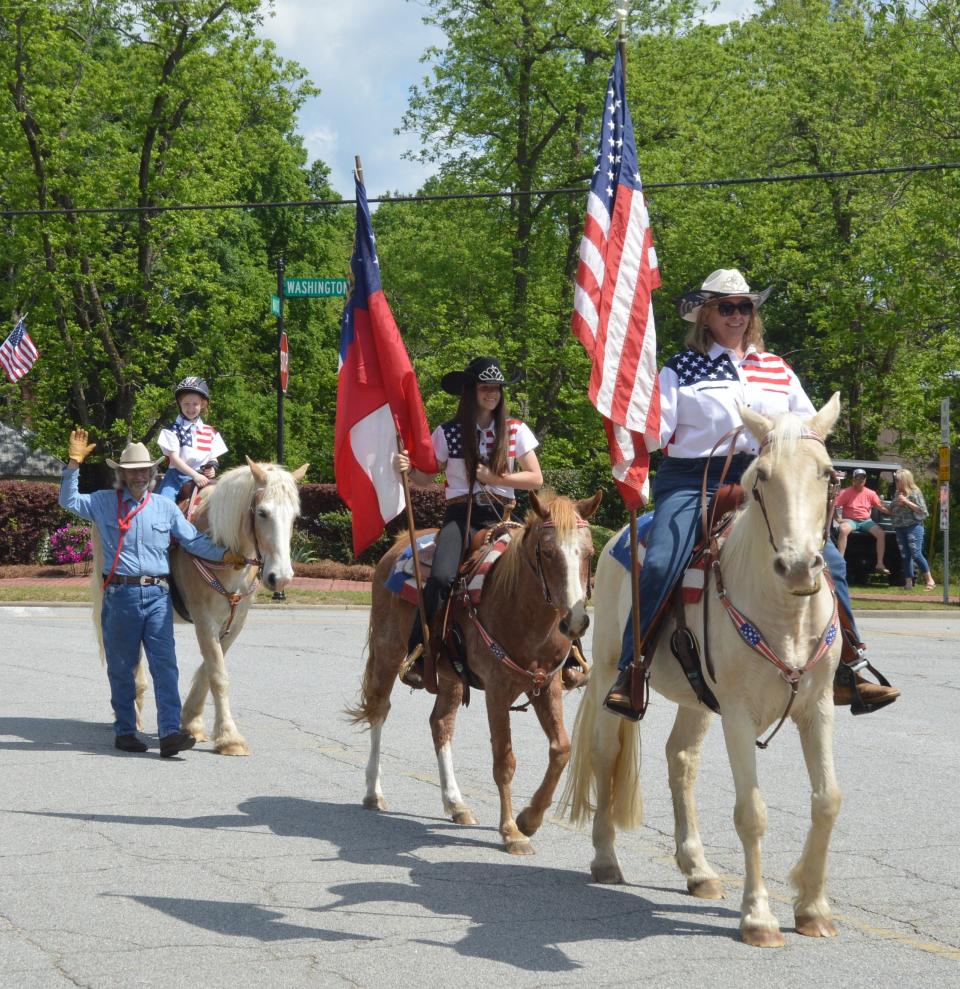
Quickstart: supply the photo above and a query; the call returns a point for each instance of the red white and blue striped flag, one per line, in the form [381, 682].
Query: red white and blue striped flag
[18, 353]
[377, 394]
[612, 308]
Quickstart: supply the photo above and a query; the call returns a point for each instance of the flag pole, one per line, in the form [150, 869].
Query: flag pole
[411, 525]
[634, 547]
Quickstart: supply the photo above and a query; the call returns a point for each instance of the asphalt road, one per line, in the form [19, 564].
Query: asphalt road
[119, 870]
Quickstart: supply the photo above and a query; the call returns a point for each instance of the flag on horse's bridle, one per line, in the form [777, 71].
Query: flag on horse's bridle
[18, 353]
[613, 312]
[376, 389]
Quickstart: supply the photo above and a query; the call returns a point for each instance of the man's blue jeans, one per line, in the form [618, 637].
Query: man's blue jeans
[133, 615]
[674, 532]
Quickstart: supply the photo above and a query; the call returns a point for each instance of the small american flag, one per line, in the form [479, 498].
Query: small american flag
[613, 312]
[18, 353]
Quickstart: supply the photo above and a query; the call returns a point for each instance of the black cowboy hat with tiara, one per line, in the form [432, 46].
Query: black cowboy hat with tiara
[718, 285]
[481, 370]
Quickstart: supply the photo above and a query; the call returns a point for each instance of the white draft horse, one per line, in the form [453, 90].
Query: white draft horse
[534, 602]
[250, 510]
[771, 566]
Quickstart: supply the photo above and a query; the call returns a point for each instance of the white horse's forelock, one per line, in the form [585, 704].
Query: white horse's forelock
[788, 430]
[231, 497]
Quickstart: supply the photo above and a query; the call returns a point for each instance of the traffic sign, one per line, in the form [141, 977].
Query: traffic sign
[284, 363]
[944, 473]
[275, 305]
[314, 288]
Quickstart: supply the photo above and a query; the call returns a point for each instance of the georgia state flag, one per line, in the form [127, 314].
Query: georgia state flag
[377, 393]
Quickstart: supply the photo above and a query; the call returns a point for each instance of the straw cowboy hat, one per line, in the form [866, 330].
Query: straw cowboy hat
[134, 457]
[717, 285]
[481, 370]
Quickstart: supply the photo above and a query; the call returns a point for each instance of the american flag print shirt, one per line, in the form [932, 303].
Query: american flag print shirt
[699, 395]
[194, 442]
[448, 446]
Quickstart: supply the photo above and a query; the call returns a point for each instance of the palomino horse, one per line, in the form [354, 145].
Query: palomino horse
[771, 569]
[250, 510]
[534, 602]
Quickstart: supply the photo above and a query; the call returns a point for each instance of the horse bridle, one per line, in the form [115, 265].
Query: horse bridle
[832, 488]
[539, 571]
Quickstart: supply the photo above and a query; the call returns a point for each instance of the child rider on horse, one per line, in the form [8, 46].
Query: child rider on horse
[189, 444]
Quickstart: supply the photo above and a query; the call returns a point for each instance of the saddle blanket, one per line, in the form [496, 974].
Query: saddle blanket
[693, 576]
[403, 582]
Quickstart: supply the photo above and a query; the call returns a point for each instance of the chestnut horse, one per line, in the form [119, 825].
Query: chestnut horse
[771, 569]
[534, 602]
[250, 510]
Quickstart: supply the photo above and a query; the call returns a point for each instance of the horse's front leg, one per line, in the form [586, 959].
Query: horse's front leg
[443, 719]
[683, 762]
[758, 926]
[504, 766]
[140, 686]
[549, 708]
[811, 908]
[191, 717]
[227, 739]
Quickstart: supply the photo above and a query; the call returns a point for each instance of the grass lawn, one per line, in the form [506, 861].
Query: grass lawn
[51, 592]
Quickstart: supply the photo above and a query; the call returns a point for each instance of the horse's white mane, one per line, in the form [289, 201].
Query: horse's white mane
[230, 499]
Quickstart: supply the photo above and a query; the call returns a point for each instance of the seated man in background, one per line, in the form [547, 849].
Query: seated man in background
[854, 505]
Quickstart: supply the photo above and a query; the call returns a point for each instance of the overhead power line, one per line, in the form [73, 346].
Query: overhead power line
[500, 194]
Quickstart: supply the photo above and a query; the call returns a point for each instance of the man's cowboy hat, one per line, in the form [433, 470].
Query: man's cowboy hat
[720, 283]
[481, 370]
[134, 457]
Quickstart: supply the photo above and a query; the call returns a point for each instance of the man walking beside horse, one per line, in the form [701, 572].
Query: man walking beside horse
[135, 531]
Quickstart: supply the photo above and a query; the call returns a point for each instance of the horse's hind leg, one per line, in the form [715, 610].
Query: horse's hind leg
[191, 718]
[811, 908]
[443, 719]
[549, 708]
[758, 926]
[683, 761]
[140, 685]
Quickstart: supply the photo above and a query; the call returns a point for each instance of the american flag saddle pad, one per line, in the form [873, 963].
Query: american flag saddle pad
[693, 576]
[402, 581]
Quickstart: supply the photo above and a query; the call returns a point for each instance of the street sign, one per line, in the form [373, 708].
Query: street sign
[944, 474]
[275, 305]
[314, 288]
[284, 363]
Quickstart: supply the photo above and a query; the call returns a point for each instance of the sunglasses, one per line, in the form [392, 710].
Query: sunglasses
[729, 308]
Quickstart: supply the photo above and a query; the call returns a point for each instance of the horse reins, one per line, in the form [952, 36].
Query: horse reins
[206, 568]
[538, 677]
[748, 631]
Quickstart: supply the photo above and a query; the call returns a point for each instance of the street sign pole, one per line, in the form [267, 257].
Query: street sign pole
[280, 336]
[944, 478]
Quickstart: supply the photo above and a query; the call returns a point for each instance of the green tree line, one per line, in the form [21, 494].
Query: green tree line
[149, 103]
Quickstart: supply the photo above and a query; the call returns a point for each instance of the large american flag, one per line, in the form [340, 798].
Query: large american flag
[612, 308]
[18, 353]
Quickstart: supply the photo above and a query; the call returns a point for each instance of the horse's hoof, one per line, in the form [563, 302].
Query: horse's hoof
[233, 748]
[815, 926]
[519, 846]
[374, 803]
[608, 875]
[463, 817]
[525, 826]
[761, 937]
[706, 889]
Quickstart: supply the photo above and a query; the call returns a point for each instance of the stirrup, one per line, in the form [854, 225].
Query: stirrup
[411, 674]
[618, 700]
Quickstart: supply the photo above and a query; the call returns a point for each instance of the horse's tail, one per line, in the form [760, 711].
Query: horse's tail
[597, 732]
[96, 588]
[372, 707]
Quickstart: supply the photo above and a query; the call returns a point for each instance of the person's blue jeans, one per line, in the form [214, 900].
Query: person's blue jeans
[173, 481]
[677, 527]
[910, 541]
[133, 615]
